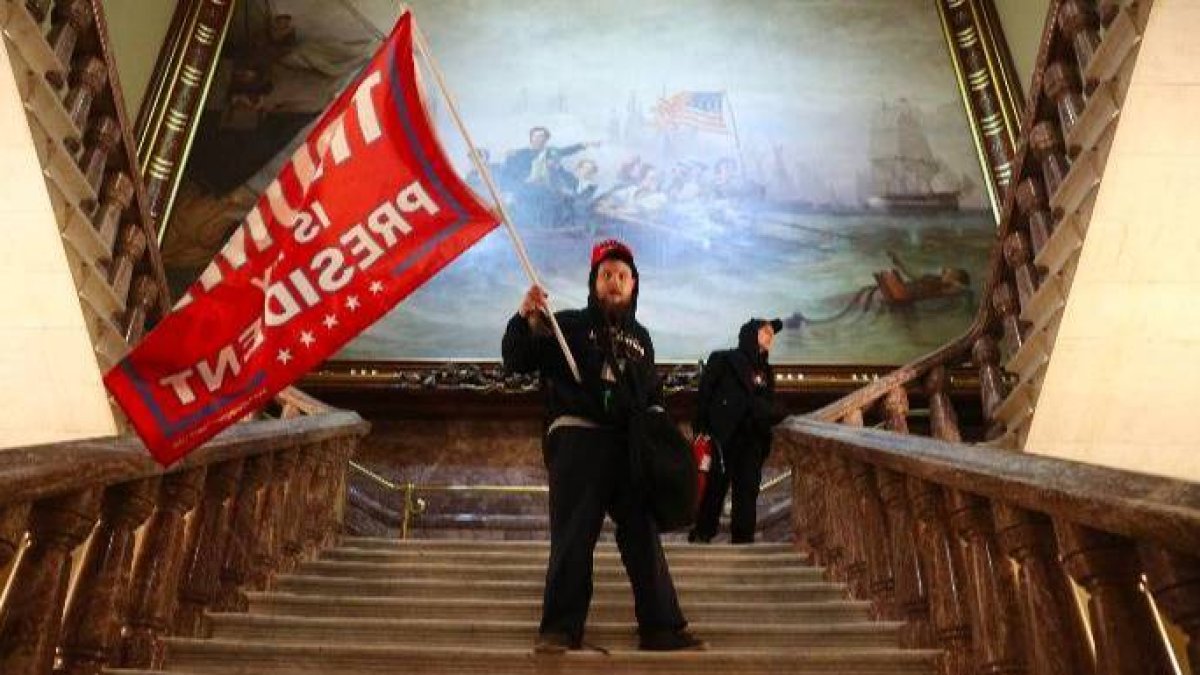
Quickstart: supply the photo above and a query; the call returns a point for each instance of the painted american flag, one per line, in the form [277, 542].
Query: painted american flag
[703, 110]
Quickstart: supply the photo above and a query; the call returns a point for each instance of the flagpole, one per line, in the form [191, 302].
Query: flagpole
[737, 139]
[486, 174]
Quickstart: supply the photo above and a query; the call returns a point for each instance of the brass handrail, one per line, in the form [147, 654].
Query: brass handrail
[776, 481]
[415, 506]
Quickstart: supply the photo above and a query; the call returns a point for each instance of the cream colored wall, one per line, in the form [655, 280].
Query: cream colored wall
[50, 388]
[1123, 384]
[1023, 21]
[137, 29]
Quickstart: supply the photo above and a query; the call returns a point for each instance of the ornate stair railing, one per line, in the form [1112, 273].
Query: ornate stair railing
[1083, 70]
[249, 504]
[981, 551]
[67, 80]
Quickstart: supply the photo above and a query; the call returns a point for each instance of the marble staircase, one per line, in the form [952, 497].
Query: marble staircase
[372, 605]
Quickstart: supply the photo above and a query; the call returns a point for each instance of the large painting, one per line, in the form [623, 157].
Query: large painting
[806, 159]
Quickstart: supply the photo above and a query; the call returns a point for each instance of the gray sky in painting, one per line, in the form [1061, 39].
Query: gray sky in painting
[806, 75]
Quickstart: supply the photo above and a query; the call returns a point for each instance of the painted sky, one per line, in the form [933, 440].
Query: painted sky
[807, 75]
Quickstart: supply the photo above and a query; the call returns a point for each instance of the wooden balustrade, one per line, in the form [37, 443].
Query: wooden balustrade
[94, 619]
[206, 553]
[121, 607]
[979, 551]
[247, 510]
[1062, 87]
[943, 567]
[102, 137]
[75, 107]
[943, 421]
[69, 20]
[1054, 631]
[1019, 256]
[1046, 143]
[85, 87]
[1080, 26]
[1032, 207]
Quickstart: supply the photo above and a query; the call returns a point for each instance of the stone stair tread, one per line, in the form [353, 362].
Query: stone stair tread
[238, 619]
[452, 569]
[292, 604]
[541, 544]
[244, 656]
[537, 585]
[786, 636]
[605, 588]
[674, 557]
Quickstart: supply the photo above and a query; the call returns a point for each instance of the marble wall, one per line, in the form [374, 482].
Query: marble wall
[463, 451]
[47, 365]
[1121, 388]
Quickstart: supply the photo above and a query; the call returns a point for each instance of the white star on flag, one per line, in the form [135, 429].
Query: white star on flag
[376, 287]
[284, 356]
[307, 338]
[352, 303]
[330, 321]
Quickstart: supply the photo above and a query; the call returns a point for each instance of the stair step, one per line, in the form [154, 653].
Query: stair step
[539, 545]
[243, 656]
[677, 557]
[487, 588]
[518, 634]
[530, 609]
[723, 572]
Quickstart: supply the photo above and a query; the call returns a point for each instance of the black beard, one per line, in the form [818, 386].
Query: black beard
[615, 311]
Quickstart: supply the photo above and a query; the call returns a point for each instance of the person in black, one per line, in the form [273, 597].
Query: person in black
[586, 452]
[735, 408]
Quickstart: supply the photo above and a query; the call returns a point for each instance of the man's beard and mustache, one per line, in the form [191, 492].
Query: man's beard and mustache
[616, 309]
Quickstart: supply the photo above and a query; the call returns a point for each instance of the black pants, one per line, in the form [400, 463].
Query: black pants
[743, 469]
[589, 476]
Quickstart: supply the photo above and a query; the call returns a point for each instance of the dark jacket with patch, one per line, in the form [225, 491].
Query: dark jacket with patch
[737, 394]
[597, 399]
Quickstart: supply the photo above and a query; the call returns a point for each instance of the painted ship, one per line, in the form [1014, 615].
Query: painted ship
[905, 176]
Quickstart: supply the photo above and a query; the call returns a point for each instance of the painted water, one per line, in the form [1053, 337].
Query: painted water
[702, 278]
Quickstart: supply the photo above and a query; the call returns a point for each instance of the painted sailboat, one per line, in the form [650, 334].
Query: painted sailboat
[905, 175]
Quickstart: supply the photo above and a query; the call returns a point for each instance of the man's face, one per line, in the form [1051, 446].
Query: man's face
[614, 285]
[766, 337]
[538, 138]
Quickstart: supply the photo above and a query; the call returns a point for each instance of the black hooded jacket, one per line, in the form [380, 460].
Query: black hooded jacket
[737, 393]
[587, 332]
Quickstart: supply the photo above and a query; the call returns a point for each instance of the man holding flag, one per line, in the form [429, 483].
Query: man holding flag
[586, 451]
[367, 210]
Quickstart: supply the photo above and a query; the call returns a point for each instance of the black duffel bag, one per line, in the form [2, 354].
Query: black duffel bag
[663, 465]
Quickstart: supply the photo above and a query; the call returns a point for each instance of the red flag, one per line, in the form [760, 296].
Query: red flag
[366, 211]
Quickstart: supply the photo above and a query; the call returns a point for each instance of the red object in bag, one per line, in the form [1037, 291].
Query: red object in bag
[702, 451]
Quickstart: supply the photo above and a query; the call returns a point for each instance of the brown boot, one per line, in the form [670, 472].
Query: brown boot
[553, 643]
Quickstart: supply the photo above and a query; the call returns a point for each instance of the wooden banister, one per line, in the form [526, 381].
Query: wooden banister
[979, 550]
[252, 513]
